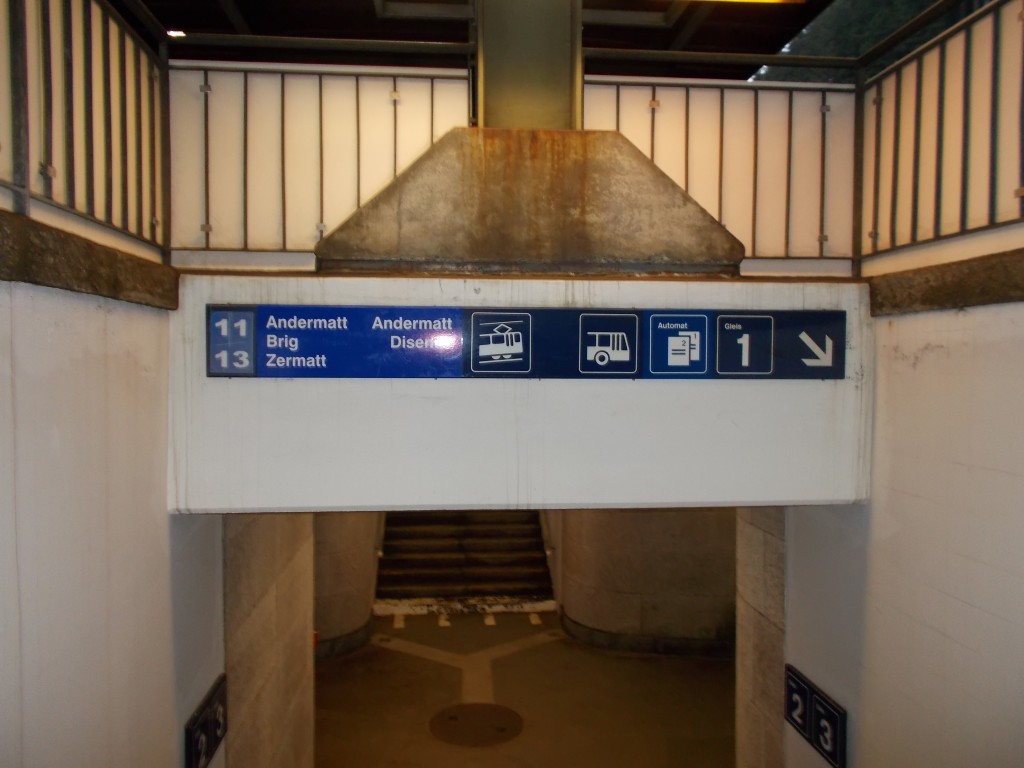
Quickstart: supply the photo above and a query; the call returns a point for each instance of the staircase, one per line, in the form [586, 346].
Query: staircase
[455, 554]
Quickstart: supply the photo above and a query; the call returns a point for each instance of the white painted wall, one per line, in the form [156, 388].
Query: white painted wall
[336, 444]
[109, 610]
[910, 611]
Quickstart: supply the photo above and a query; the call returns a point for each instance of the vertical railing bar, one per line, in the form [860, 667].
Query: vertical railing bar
[122, 72]
[154, 85]
[1020, 144]
[284, 184]
[46, 62]
[940, 140]
[394, 127]
[138, 141]
[617, 97]
[859, 131]
[654, 98]
[245, 161]
[108, 122]
[18, 33]
[877, 181]
[686, 143]
[69, 104]
[432, 110]
[88, 84]
[965, 154]
[320, 126]
[721, 151]
[359, 150]
[915, 188]
[165, 152]
[993, 167]
[753, 207]
[206, 156]
[789, 171]
[821, 182]
[897, 124]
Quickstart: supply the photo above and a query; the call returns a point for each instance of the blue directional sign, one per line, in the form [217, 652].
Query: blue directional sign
[312, 341]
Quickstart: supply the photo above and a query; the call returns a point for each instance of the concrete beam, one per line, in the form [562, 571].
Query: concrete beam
[31, 252]
[492, 201]
[994, 279]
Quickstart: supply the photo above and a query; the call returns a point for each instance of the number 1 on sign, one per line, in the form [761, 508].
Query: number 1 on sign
[744, 342]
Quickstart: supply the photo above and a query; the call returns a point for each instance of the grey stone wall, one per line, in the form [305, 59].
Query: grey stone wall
[650, 579]
[760, 634]
[268, 640]
[346, 576]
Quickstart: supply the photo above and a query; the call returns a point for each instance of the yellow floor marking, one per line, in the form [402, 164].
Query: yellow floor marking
[442, 620]
[399, 621]
[535, 620]
[489, 620]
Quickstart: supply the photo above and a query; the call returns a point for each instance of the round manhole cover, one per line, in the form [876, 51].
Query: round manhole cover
[476, 725]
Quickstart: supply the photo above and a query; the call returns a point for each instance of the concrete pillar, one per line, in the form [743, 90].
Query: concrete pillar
[346, 578]
[268, 640]
[655, 580]
[760, 634]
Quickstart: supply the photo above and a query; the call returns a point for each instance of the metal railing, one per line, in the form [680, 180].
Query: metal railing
[942, 154]
[254, 172]
[91, 138]
[814, 172]
[935, 146]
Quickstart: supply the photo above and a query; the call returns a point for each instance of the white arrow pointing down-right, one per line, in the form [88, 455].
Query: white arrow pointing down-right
[822, 357]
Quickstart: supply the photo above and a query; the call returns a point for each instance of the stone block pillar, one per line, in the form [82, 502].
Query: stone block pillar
[268, 640]
[760, 635]
[649, 580]
[346, 578]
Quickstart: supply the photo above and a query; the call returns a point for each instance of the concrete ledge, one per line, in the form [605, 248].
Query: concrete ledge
[339, 646]
[31, 252]
[994, 279]
[615, 641]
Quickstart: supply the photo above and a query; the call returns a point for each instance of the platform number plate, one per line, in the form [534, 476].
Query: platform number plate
[207, 727]
[231, 341]
[816, 717]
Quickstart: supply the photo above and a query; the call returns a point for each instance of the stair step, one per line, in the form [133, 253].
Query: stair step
[456, 544]
[462, 559]
[475, 530]
[462, 517]
[464, 573]
[461, 589]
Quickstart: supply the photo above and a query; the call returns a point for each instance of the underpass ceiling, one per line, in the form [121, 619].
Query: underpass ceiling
[646, 25]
